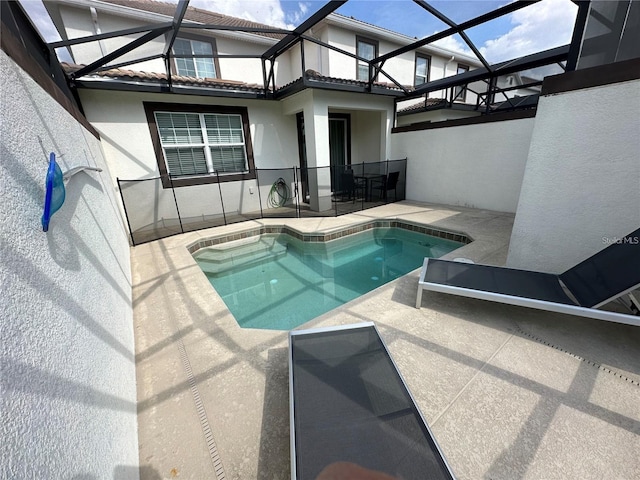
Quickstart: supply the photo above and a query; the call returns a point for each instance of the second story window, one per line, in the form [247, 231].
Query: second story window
[195, 67]
[423, 63]
[460, 93]
[367, 49]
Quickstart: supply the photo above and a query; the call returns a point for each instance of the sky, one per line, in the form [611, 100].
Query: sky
[541, 26]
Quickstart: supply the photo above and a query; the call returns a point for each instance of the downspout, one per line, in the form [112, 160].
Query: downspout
[444, 74]
[96, 29]
[318, 50]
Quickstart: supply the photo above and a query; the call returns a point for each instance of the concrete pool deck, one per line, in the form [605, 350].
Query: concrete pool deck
[509, 392]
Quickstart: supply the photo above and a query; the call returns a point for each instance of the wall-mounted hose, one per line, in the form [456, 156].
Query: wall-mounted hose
[279, 194]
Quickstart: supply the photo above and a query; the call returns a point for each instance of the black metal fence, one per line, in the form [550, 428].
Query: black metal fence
[155, 211]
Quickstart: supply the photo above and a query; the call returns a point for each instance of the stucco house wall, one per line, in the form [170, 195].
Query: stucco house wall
[401, 67]
[68, 388]
[582, 180]
[120, 118]
[78, 22]
[248, 70]
[478, 166]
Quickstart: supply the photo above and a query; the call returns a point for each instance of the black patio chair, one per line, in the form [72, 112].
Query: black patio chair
[348, 187]
[390, 182]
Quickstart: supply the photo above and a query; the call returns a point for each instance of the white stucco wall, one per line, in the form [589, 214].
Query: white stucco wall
[248, 70]
[582, 180]
[479, 166]
[68, 392]
[401, 67]
[78, 23]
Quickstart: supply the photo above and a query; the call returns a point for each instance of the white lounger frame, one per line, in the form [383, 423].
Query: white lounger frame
[292, 434]
[530, 302]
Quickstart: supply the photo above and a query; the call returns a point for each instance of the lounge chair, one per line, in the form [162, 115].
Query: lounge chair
[581, 290]
[349, 403]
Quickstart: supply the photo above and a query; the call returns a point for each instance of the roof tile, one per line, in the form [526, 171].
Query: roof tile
[193, 14]
[177, 79]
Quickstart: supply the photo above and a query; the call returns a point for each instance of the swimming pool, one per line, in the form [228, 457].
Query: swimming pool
[278, 281]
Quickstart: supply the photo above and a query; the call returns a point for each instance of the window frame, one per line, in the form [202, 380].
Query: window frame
[462, 97]
[197, 38]
[375, 45]
[415, 70]
[151, 108]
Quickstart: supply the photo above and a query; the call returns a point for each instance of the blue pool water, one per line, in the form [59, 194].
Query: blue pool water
[278, 282]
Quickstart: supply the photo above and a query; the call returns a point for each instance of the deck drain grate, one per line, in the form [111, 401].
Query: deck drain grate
[202, 414]
[582, 359]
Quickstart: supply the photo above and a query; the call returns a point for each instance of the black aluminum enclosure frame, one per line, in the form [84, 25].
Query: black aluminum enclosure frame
[295, 39]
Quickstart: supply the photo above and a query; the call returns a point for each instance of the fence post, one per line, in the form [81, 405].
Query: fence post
[176, 202]
[126, 215]
[259, 195]
[295, 190]
[337, 186]
[224, 216]
[386, 179]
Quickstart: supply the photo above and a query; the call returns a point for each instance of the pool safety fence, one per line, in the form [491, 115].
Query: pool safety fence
[157, 207]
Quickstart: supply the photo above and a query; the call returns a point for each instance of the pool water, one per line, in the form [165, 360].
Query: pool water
[277, 282]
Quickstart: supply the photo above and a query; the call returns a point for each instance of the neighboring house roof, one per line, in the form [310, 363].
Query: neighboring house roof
[193, 14]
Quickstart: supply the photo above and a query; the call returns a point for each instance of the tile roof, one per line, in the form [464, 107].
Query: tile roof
[313, 75]
[123, 74]
[194, 14]
[421, 106]
[153, 77]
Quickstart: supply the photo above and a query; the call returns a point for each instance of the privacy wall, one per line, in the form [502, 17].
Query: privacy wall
[68, 397]
[477, 165]
[581, 189]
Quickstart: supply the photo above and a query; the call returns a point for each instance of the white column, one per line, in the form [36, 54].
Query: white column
[316, 125]
[386, 122]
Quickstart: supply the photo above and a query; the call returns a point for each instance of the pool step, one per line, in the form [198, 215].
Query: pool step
[239, 254]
